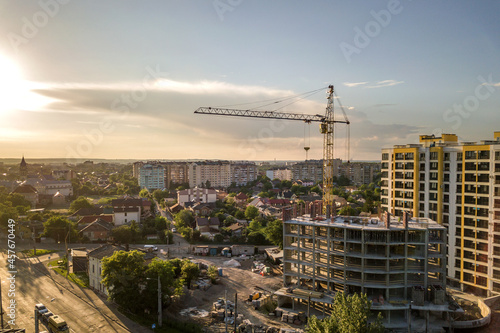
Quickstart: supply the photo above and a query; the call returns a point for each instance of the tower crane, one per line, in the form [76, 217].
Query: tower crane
[326, 127]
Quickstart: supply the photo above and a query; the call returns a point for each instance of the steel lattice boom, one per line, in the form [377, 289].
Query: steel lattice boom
[265, 114]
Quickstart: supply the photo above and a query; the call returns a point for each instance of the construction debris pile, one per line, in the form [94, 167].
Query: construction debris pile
[194, 312]
[247, 327]
[259, 300]
[259, 268]
[292, 318]
[219, 312]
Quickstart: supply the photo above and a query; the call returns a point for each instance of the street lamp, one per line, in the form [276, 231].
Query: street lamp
[159, 301]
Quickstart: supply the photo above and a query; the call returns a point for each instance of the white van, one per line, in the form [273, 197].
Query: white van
[150, 247]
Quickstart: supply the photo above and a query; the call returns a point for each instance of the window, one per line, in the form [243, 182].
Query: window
[93, 268]
[385, 156]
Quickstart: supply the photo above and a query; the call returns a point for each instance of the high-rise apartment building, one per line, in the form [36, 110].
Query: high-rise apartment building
[281, 174]
[312, 170]
[243, 172]
[456, 184]
[152, 176]
[216, 173]
[360, 173]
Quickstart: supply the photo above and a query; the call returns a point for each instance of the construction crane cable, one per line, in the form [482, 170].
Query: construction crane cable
[273, 100]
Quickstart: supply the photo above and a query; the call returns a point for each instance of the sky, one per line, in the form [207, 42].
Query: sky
[120, 79]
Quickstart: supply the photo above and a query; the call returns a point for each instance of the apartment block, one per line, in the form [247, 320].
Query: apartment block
[152, 176]
[312, 170]
[243, 172]
[394, 262]
[456, 184]
[360, 173]
[281, 174]
[216, 173]
[176, 173]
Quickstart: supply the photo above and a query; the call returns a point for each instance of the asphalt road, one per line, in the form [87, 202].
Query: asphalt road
[83, 310]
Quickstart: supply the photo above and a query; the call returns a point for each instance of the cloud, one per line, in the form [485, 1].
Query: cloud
[383, 105]
[354, 84]
[496, 84]
[385, 83]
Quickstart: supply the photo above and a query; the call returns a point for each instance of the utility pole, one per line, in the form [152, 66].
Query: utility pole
[235, 309]
[34, 243]
[159, 302]
[1, 304]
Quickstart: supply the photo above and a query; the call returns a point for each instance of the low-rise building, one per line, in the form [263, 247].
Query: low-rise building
[197, 194]
[95, 265]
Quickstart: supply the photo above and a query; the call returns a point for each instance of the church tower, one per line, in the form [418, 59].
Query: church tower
[23, 168]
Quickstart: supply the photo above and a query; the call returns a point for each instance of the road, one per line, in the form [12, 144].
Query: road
[83, 310]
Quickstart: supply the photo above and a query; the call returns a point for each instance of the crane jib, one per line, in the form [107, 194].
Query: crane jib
[264, 114]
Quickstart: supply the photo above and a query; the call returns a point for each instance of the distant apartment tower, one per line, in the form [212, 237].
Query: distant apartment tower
[458, 185]
[281, 174]
[243, 172]
[217, 173]
[359, 173]
[313, 170]
[152, 176]
[396, 264]
[136, 168]
[176, 173]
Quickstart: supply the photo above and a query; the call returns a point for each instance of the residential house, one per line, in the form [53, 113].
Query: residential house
[95, 265]
[201, 209]
[237, 250]
[241, 198]
[29, 193]
[129, 209]
[86, 220]
[236, 229]
[99, 230]
[175, 208]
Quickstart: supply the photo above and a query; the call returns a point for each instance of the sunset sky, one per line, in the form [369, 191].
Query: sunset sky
[121, 79]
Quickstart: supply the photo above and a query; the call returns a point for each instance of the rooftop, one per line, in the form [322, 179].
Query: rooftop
[356, 222]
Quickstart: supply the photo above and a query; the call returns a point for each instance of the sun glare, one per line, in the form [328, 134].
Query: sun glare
[16, 91]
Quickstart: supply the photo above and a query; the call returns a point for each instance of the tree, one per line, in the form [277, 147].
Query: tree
[123, 234]
[80, 202]
[274, 233]
[350, 314]
[184, 218]
[213, 273]
[159, 195]
[251, 212]
[218, 238]
[169, 237]
[18, 200]
[316, 189]
[122, 273]
[7, 212]
[58, 228]
[190, 271]
[348, 211]
[170, 286]
[144, 193]
[239, 215]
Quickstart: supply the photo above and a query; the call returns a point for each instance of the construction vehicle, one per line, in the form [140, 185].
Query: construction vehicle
[57, 325]
[327, 123]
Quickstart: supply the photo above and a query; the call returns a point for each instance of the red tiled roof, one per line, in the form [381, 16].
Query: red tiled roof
[91, 218]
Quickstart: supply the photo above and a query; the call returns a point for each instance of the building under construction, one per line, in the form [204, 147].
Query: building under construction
[400, 265]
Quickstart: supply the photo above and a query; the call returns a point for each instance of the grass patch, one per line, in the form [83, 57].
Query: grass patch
[80, 278]
[169, 325]
[30, 253]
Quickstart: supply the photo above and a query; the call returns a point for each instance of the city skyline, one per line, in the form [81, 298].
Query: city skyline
[121, 80]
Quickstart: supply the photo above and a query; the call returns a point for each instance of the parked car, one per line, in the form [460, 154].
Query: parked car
[150, 247]
[174, 230]
[41, 309]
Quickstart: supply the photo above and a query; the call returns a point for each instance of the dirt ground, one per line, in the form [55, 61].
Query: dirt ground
[241, 280]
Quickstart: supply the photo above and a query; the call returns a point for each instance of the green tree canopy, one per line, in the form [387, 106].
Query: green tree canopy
[58, 227]
[189, 271]
[184, 218]
[122, 273]
[251, 212]
[350, 314]
[348, 211]
[274, 232]
[80, 202]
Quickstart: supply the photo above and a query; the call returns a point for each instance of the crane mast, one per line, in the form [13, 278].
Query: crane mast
[327, 123]
[327, 129]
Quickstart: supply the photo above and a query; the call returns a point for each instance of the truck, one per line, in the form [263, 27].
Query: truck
[57, 324]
